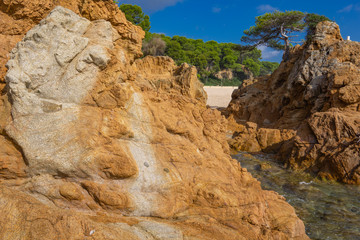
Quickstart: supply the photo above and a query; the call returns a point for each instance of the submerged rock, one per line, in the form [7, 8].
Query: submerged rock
[307, 111]
[102, 144]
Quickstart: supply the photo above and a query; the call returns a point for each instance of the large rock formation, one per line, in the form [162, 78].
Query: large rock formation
[307, 110]
[97, 144]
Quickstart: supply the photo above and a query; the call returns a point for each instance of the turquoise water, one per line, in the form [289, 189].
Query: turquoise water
[329, 210]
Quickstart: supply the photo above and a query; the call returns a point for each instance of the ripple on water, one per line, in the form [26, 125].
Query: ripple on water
[329, 210]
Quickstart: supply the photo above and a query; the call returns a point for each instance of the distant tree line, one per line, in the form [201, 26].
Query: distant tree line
[209, 57]
[212, 57]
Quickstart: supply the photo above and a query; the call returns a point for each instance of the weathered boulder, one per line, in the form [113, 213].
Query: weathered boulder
[314, 101]
[102, 145]
[225, 74]
[230, 74]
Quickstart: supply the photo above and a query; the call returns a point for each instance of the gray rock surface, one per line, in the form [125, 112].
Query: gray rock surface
[50, 72]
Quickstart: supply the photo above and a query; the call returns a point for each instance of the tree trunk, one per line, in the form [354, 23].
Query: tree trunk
[286, 55]
[287, 44]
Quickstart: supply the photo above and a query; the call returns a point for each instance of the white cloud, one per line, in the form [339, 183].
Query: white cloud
[266, 8]
[151, 6]
[216, 9]
[346, 9]
[269, 53]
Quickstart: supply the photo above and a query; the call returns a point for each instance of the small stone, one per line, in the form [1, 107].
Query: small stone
[265, 166]
[146, 164]
[166, 170]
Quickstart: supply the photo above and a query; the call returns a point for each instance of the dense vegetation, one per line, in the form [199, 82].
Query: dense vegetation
[209, 57]
[134, 14]
[227, 63]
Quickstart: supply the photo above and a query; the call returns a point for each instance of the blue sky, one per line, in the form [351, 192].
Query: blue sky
[225, 21]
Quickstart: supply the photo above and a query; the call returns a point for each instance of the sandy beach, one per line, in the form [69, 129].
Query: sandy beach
[219, 96]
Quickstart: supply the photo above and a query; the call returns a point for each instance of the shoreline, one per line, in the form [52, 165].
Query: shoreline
[219, 97]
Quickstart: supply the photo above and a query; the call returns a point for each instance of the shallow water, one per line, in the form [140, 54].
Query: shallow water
[329, 210]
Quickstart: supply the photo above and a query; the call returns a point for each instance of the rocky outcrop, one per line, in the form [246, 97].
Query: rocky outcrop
[102, 145]
[18, 17]
[311, 104]
[228, 74]
[225, 74]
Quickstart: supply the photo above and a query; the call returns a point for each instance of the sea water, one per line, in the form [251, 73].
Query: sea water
[329, 210]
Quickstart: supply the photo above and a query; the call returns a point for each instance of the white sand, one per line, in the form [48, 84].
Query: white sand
[219, 96]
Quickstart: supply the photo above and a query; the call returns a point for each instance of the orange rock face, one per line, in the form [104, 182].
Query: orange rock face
[309, 107]
[102, 145]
